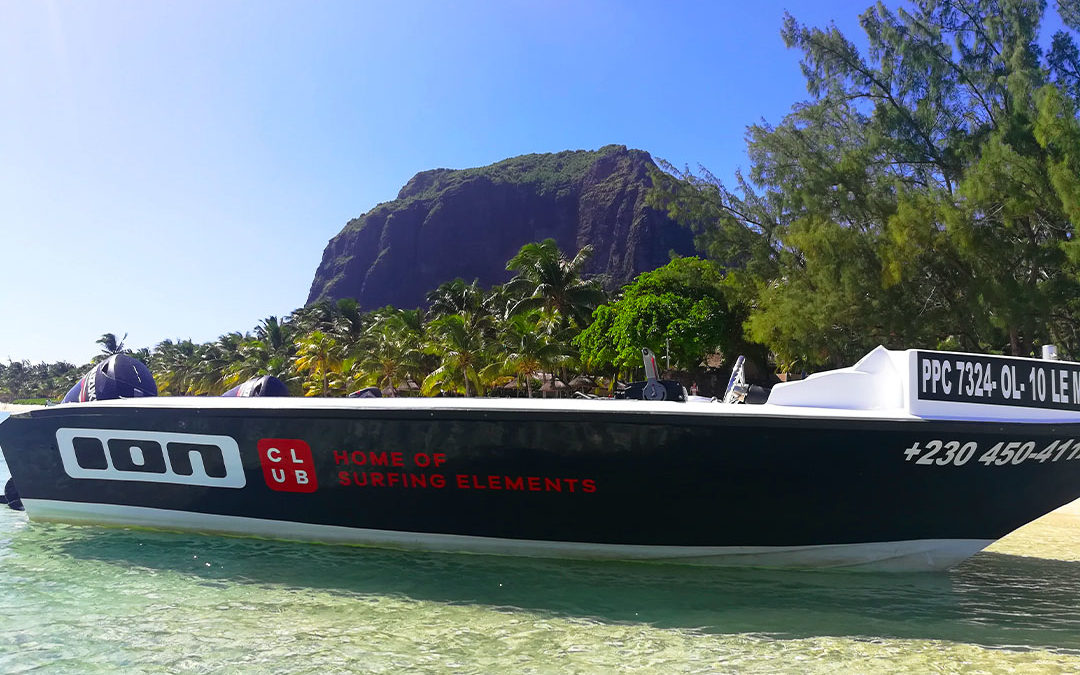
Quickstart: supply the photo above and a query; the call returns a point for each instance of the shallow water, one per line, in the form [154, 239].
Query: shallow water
[87, 599]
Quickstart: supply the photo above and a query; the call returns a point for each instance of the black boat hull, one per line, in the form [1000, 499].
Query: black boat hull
[595, 482]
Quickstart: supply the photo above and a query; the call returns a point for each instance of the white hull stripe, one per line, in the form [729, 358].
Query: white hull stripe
[899, 556]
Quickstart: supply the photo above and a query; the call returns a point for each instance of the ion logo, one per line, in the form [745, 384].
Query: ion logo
[287, 465]
[151, 457]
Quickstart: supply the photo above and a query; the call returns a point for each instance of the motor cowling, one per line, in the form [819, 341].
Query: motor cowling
[119, 376]
[366, 392]
[267, 385]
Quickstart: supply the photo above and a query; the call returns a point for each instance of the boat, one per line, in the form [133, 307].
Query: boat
[907, 460]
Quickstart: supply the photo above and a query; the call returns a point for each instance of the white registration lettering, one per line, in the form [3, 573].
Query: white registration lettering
[950, 453]
[934, 447]
[957, 453]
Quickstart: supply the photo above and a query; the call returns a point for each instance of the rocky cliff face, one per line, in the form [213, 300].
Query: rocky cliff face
[447, 223]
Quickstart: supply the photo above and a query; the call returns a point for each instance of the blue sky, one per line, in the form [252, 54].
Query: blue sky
[174, 170]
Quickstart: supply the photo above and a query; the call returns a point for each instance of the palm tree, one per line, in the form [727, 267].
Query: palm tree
[500, 302]
[469, 301]
[110, 345]
[317, 317]
[349, 323]
[529, 351]
[255, 360]
[319, 356]
[462, 354]
[269, 352]
[274, 333]
[415, 323]
[214, 360]
[389, 355]
[546, 279]
[174, 366]
[455, 297]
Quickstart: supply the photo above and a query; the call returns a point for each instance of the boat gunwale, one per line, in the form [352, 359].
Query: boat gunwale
[623, 411]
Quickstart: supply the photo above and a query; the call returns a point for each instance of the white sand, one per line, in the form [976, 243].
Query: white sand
[14, 409]
[1072, 508]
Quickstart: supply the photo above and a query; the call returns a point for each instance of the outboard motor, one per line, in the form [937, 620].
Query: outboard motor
[267, 385]
[11, 497]
[119, 376]
[653, 388]
[366, 392]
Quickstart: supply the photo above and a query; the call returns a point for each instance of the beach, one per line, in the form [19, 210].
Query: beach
[12, 409]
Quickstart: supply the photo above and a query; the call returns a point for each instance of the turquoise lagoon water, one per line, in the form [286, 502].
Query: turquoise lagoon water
[88, 599]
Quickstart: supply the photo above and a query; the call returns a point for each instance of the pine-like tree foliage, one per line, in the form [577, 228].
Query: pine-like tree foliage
[926, 195]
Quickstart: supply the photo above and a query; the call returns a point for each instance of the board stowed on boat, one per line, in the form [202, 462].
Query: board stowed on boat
[906, 460]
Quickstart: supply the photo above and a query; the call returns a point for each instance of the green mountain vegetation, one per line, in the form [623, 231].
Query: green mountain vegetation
[926, 194]
[546, 173]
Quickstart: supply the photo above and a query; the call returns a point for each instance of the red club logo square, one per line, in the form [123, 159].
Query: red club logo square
[287, 465]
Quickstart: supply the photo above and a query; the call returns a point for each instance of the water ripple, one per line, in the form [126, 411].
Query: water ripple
[84, 599]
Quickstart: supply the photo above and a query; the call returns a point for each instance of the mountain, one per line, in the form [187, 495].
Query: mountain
[467, 223]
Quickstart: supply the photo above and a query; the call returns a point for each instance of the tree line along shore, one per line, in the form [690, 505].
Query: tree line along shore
[532, 336]
[925, 194]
